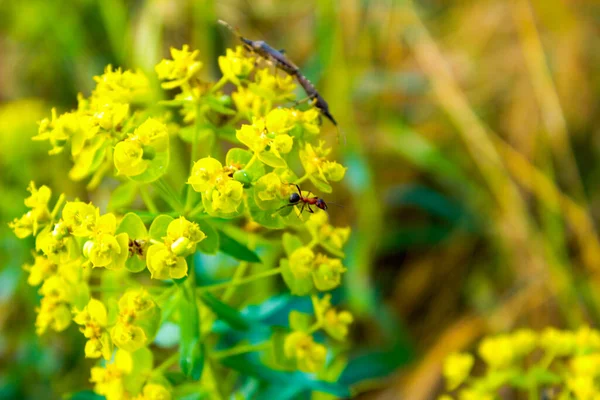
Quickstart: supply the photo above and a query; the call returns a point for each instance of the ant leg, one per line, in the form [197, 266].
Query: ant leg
[310, 210]
[302, 209]
[298, 187]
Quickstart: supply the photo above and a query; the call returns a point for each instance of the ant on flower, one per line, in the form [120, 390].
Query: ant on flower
[307, 201]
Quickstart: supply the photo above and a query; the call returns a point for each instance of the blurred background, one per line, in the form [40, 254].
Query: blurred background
[472, 141]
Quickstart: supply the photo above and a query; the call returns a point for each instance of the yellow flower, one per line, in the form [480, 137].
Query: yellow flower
[154, 391]
[109, 115]
[59, 130]
[108, 381]
[128, 337]
[164, 264]
[583, 387]
[279, 120]
[319, 227]
[457, 368]
[309, 120]
[52, 313]
[105, 249]
[257, 138]
[336, 323]
[183, 236]
[227, 196]
[327, 273]
[41, 269]
[235, 66]
[302, 262]
[38, 202]
[128, 158]
[120, 86]
[273, 88]
[497, 351]
[138, 322]
[80, 218]
[588, 365]
[249, 103]
[310, 356]
[180, 69]
[315, 163]
[134, 155]
[93, 319]
[57, 247]
[559, 343]
[205, 174]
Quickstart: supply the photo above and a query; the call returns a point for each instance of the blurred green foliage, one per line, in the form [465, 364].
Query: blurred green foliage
[471, 142]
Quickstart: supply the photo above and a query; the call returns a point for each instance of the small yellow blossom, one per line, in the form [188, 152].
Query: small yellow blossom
[336, 323]
[301, 347]
[180, 69]
[235, 65]
[457, 368]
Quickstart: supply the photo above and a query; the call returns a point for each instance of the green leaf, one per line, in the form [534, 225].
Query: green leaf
[86, 395]
[241, 157]
[225, 312]
[298, 286]
[205, 130]
[271, 159]
[158, 229]
[320, 184]
[267, 218]
[156, 168]
[302, 380]
[232, 247]
[291, 243]
[122, 196]
[210, 245]
[132, 225]
[300, 321]
[216, 105]
[191, 352]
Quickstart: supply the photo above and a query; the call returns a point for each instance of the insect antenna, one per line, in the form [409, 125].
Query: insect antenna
[235, 31]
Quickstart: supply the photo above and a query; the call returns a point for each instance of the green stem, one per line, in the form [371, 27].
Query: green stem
[252, 160]
[237, 276]
[248, 279]
[302, 179]
[190, 194]
[57, 206]
[172, 359]
[167, 194]
[218, 85]
[246, 348]
[148, 200]
[196, 210]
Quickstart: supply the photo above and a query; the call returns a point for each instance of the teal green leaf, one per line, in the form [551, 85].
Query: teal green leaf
[232, 247]
[300, 321]
[225, 312]
[191, 352]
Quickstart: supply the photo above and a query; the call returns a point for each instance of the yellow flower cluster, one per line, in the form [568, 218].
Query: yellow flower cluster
[99, 122]
[564, 362]
[85, 260]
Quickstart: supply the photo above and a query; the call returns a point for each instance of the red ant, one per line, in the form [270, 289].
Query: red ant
[296, 198]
